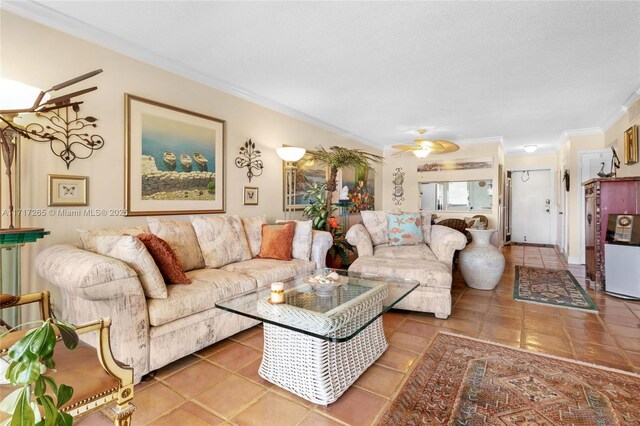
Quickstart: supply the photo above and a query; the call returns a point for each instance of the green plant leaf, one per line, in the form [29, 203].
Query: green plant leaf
[41, 387]
[25, 372]
[44, 341]
[49, 363]
[64, 394]
[50, 410]
[52, 383]
[21, 348]
[68, 334]
[65, 419]
[23, 414]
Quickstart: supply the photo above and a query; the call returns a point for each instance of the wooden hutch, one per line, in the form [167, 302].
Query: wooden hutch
[604, 196]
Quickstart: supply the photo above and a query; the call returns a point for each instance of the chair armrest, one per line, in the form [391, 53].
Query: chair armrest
[444, 243]
[84, 273]
[322, 242]
[358, 236]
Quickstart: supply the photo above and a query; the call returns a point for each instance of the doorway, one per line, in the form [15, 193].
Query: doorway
[531, 193]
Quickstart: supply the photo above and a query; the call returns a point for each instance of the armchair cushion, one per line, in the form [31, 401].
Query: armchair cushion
[377, 226]
[405, 229]
[420, 251]
[182, 239]
[132, 251]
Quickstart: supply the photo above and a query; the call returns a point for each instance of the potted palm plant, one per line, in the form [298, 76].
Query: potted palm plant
[321, 208]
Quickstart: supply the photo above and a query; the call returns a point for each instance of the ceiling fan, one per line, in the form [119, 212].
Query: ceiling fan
[424, 147]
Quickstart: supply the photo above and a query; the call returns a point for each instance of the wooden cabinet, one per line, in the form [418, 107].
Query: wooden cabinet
[603, 197]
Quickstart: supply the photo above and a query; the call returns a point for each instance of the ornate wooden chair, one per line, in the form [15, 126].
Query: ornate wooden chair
[97, 378]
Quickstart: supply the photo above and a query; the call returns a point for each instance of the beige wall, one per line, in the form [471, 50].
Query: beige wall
[614, 136]
[409, 164]
[40, 56]
[573, 146]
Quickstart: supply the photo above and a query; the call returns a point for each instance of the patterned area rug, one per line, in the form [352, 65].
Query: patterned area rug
[551, 287]
[465, 381]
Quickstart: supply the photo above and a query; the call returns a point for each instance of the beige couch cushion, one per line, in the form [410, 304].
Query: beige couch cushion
[419, 251]
[182, 239]
[221, 239]
[429, 273]
[133, 252]
[253, 230]
[206, 288]
[267, 271]
[302, 239]
[377, 225]
[88, 236]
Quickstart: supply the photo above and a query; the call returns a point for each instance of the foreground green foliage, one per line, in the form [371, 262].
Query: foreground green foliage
[30, 357]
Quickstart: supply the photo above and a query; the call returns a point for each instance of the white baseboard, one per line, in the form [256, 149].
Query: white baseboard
[574, 260]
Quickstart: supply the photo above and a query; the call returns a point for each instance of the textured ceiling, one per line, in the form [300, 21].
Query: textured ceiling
[523, 71]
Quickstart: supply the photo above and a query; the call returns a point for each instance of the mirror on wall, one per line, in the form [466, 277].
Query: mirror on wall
[460, 196]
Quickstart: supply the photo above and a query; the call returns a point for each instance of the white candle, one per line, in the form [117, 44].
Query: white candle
[277, 292]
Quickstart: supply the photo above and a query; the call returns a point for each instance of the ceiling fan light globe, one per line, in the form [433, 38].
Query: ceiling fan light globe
[530, 148]
[421, 153]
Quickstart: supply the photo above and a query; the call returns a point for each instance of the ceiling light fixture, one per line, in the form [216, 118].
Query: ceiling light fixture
[422, 147]
[530, 148]
[421, 153]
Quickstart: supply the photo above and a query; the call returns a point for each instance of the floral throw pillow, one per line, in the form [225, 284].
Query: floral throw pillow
[405, 229]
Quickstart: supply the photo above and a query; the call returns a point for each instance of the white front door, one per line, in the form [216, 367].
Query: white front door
[531, 206]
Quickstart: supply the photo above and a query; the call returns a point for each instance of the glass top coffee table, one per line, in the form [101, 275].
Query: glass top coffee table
[323, 337]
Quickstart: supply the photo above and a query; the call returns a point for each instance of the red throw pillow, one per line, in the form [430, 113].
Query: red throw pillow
[277, 241]
[165, 258]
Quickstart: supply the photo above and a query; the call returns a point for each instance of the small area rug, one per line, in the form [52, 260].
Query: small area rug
[551, 287]
[465, 381]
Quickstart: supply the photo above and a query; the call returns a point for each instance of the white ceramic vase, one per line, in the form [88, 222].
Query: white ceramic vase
[480, 262]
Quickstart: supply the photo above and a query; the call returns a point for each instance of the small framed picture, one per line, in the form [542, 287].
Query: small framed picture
[68, 190]
[250, 196]
[631, 145]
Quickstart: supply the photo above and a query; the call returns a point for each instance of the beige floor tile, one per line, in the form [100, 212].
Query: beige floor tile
[271, 409]
[417, 328]
[393, 320]
[380, 380]
[155, 401]
[494, 331]
[255, 341]
[230, 396]
[355, 407]
[175, 366]
[398, 359]
[188, 414]
[409, 342]
[250, 372]
[97, 418]
[316, 419]
[235, 356]
[196, 378]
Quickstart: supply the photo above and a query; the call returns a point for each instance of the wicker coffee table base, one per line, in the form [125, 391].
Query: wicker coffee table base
[317, 370]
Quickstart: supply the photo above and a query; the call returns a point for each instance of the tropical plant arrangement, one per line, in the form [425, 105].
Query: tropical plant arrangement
[321, 208]
[29, 359]
[337, 158]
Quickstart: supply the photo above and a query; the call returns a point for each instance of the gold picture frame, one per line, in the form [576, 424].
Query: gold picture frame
[175, 160]
[250, 196]
[631, 145]
[65, 190]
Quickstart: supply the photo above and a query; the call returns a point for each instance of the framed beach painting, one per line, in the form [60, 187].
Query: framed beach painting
[305, 174]
[174, 160]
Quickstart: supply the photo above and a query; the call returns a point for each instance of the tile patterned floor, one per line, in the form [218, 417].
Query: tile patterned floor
[220, 384]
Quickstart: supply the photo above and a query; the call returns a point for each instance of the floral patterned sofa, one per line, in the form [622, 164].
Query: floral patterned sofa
[150, 332]
[428, 262]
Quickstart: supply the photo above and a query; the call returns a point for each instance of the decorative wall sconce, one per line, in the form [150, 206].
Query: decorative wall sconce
[398, 190]
[250, 158]
[67, 130]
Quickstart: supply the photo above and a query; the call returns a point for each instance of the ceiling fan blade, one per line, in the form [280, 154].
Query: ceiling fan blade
[405, 147]
[447, 146]
[74, 80]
